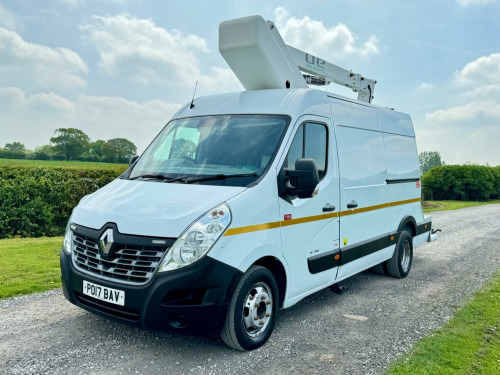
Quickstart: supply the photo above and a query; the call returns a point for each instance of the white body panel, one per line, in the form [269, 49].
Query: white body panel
[150, 209]
[302, 241]
[258, 226]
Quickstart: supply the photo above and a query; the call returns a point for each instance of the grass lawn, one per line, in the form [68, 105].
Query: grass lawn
[29, 265]
[60, 163]
[468, 344]
[431, 206]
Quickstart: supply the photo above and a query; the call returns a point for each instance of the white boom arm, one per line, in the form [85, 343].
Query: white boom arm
[255, 51]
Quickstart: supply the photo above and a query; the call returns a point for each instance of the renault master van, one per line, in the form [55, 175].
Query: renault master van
[245, 203]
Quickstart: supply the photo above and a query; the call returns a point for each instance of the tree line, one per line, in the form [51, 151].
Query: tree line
[74, 144]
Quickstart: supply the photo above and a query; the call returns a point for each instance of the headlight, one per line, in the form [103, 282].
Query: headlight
[68, 238]
[198, 239]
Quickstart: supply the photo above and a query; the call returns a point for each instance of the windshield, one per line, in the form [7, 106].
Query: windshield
[218, 146]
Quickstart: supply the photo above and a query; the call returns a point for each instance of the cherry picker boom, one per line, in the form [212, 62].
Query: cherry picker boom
[257, 54]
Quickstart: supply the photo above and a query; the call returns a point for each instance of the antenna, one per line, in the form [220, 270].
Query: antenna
[194, 93]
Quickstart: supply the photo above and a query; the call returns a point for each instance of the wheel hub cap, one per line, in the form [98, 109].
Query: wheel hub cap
[258, 309]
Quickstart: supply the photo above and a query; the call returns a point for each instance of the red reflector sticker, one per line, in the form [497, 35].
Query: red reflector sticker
[418, 184]
[288, 217]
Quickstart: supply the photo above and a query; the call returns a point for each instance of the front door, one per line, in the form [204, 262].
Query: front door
[310, 226]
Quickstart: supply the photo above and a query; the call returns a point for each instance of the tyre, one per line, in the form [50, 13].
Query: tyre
[253, 310]
[400, 263]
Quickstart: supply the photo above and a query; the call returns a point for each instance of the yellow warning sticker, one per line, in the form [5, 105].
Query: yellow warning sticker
[345, 241]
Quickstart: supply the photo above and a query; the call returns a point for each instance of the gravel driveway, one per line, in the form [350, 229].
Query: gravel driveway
[358, 332]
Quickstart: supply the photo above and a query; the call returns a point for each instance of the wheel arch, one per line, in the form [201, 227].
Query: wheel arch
[274, 265]
[410, 222]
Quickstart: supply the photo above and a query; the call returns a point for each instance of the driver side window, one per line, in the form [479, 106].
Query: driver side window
[310, 141]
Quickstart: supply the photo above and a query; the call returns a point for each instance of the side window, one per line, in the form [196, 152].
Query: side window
[315, 146]
[296, 149]
[310, 142]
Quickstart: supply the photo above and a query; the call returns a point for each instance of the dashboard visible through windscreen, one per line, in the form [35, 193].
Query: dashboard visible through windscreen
[214, 145]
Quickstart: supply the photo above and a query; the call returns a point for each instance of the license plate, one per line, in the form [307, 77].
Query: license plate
[104, 293]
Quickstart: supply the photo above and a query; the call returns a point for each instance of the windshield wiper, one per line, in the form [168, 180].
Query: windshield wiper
[216, 177]
[155, 176]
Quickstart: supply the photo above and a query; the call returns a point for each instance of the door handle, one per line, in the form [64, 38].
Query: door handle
[328, 208]
[353, 204]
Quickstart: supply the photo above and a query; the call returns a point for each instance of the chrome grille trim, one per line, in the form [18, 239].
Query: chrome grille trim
[132, 265]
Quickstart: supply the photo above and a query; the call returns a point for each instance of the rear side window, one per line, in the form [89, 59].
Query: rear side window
[310, 141]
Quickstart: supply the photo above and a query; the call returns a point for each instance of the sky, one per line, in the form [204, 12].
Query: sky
[122, 68]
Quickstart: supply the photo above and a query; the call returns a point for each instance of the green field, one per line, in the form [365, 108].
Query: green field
[60, 163]
[432, 206]
[468, 344]
[29, 265]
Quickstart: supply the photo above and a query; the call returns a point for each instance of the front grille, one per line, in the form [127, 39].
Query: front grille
[128, 264]
[108, 308]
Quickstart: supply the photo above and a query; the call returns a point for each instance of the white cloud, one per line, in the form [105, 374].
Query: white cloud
[334, 42]
[466, 3]
[459, 145]
[32, 119]
[469, 129]
[9, 20]
[36, 66]
[484, 70]
[483, 92]
[138, 50]
[465, 113]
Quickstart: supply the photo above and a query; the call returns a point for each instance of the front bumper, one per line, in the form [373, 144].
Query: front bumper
[192, 300]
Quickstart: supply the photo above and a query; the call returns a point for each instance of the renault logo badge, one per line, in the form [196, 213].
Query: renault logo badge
[106, 241]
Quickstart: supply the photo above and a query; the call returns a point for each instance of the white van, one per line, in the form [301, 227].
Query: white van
[246, 203]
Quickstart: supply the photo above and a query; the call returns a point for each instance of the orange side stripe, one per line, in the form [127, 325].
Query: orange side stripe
[391, 204]
[252, 228]
[308, 219]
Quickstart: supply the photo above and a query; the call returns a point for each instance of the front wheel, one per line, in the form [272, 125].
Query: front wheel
[252, 311]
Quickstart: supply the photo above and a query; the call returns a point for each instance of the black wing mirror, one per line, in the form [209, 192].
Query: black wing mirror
[302, 181]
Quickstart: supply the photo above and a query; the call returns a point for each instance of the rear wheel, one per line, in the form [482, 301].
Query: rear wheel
[252, 311]
[400, 264]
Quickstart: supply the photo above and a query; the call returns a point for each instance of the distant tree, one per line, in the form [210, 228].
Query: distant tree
[70, 143]
[119, 150]
[45, 152]
[429, 160]
[15, 146]
[98, 148]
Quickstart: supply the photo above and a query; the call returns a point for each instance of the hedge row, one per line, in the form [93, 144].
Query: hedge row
[462, 182]
[37, 201]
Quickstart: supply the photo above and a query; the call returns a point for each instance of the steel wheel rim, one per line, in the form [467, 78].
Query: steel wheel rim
[405, 259]
[257, 309]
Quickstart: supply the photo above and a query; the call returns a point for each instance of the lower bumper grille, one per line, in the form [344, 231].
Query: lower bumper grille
[108, 308]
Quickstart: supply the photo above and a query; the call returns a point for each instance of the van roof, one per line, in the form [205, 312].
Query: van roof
[292, 102]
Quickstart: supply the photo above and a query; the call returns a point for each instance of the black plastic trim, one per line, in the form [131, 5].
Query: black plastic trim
[208, 285]
[364, 248]
[404, 223]
[425, 227]
[120, 238]
[323, 262]
[402, 180]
